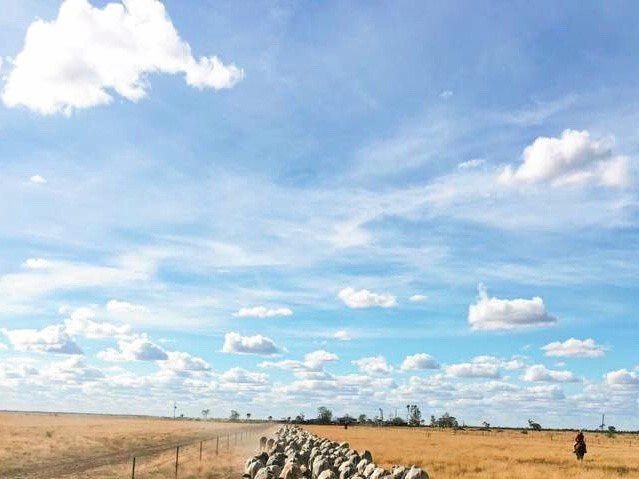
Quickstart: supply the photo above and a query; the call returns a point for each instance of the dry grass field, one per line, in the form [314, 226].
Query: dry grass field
[493, 455]
[47, 446]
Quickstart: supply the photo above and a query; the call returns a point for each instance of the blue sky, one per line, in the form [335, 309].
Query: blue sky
[272, 206]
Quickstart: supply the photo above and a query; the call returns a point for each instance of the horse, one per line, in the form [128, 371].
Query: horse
[580, 450]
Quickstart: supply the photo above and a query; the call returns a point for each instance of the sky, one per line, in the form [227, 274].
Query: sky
[276, 206]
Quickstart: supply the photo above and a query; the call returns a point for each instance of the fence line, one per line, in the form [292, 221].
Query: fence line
[243, 434]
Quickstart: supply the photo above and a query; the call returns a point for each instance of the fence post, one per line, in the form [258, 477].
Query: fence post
[133, 469]
[228, 441]
[217, 445]
[177, 460]
[201, 452]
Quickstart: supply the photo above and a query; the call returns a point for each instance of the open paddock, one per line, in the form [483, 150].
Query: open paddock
[48, 445]
[510, 454]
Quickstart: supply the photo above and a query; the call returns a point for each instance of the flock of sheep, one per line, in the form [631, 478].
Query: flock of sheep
[296, 454]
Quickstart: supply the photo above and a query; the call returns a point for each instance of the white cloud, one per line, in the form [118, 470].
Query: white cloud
[44, 276]
[342, 335]
[38, 180]
[262, 312]
[122, 307]
[72, 371]
[258, 344]
[12, 370]
[471, 164]
[374, 366]
[622, 378]
[240, 375]
[3, 347]
[317, 359]
[419, 361]
[135, 349]
[36, 263]
[83, 56]
[311, 368]
[575, 348]
[179, 361]
[366, 299]
[80, 323]
[574, 158]
[495, 314]
[445, 94]
[475, 369]
[52, 339]
[418, 298]
[540, 373]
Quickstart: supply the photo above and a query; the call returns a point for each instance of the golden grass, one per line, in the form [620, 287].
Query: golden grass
[41, 446]
[493, 455]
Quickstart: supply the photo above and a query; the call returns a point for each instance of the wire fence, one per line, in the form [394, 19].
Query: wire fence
[191, 457]
[199, 458]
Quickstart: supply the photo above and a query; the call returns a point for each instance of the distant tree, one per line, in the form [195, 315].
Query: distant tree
[612, 429]
[414, 415]
[235, 416]
[248, 416]
[205, 413]
[445, 421]
[346, 419]
[396, 421]
[299, 418]
[324, 415]
[270, 418]
[362, 419]
[486, 425]
[433, 421]
[535, 426]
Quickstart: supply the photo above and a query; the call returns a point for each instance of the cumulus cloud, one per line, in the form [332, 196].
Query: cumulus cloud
[342, 335]
[36, 263]
[258, 344]
[374, 366]
[622, 378]
[471, 164]
[573, 158]
[74, 370]
[575, 348]
[419, 361]
[81, 323]
[495, 314]
[87, 53]
[139, 348]
[262, 312]
[418, 298]
[179, 361]
[123, 307]
[366, 299]
[37, 180]
[540, 373]
[52, 339]
[317, 359]
[474, 369]
[240, 375]
[312, 367]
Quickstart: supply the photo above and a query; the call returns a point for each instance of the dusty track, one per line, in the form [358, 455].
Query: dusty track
[74, 466]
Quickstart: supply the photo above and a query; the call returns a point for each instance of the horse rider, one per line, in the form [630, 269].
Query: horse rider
[580, 445]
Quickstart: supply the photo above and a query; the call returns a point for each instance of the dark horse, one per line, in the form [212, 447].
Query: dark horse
[580, 446]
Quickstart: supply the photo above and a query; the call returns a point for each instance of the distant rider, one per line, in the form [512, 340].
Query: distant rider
[580, 445]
